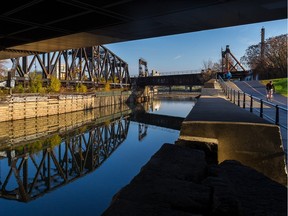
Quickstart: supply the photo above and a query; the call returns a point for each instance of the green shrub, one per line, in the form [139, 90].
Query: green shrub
[36, 83]
[81, 88]
[281, 86]
[107, 86]
[4, 92]
[19, 88]
[53, 141]
[55, 84]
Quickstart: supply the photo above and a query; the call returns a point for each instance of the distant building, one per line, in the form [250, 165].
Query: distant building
[60, 72]
[155, 88]
[155, 73]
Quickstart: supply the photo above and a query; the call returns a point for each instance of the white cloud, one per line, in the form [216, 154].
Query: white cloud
[177, 57]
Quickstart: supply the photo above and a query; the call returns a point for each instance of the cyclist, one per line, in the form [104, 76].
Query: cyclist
[269, 90]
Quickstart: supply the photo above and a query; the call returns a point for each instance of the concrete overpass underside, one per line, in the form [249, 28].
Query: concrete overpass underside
[32, 27]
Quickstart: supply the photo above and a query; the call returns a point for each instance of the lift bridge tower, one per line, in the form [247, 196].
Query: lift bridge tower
[231, 63]
[143, 72]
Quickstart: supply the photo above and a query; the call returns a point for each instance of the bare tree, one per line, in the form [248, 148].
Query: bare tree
[2, 68]
[276, 53]
[217, 66]
[273, 62]
[208, 72]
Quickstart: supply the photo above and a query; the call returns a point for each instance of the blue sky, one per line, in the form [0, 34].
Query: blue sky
[188, 51]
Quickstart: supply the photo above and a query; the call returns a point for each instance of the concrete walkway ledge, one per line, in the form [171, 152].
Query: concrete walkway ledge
[239, 135]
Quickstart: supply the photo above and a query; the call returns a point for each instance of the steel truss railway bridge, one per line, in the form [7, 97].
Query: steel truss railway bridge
[94, 65]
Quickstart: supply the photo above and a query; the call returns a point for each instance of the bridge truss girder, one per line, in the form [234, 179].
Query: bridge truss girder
[95, 64]
[173, 80]
[38, 173]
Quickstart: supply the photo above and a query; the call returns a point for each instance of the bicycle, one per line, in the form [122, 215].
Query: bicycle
[269, 95]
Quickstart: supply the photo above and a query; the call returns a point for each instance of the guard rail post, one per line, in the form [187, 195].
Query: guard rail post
[277, 115]
[238, 98]
[251, 103]
[261, 108]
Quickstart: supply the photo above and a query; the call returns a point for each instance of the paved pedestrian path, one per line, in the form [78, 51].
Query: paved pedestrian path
[221, 110]
[257, 89]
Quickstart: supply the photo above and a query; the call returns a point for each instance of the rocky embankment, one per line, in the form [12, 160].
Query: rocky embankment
[185, 179]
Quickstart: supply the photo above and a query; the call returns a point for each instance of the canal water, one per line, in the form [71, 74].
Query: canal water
[77, 170]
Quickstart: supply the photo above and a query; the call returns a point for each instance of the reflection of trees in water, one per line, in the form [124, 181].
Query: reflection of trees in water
[38, 145]
[44, 165]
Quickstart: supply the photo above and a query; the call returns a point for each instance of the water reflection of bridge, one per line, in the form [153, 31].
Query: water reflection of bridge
[40, 166]
[165, 121]
[40, 155]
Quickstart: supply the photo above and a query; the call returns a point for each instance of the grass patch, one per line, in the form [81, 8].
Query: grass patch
[280, 85]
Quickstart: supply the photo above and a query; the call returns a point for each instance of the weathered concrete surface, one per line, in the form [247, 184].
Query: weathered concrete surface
[178, 181]
[211, 88]
[240, 136]
[187, 178]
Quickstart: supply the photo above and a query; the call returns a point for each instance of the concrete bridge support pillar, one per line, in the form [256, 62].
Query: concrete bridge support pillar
[147, 94]
[142, 94]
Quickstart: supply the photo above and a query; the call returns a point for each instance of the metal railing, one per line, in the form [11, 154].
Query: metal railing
[180, 72]
[171, 73]
[265, 109]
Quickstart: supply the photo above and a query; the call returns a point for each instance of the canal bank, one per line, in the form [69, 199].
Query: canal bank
[24, 106]
[225, 162]
[91, 148]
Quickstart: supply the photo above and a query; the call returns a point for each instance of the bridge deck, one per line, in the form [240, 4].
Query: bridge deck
[172, 80]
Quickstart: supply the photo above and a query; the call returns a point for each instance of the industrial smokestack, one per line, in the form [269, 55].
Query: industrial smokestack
[262, 43]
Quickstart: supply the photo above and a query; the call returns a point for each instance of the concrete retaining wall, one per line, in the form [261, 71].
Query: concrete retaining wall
[16, 107]
[24, 130]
